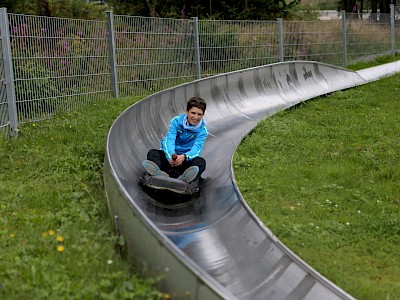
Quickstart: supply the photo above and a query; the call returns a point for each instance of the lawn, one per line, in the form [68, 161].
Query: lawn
[57, 237]
[323, 176]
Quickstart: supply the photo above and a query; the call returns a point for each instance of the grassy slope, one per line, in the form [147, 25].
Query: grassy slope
[52, 195]
[51, 187]
[324, 177]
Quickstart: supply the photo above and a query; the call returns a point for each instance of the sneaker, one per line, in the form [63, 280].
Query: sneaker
[152, 168]
[190, 174]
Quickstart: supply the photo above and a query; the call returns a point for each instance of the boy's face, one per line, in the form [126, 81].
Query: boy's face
[194, 115]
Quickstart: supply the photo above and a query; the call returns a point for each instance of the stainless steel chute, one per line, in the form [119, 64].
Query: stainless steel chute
[214, 247]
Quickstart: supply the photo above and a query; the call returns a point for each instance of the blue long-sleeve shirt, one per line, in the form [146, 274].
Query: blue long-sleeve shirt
[180, 140]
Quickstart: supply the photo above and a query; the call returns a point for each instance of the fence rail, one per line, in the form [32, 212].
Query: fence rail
[52, 65]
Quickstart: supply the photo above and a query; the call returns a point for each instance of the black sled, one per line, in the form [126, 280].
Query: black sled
[162, 187]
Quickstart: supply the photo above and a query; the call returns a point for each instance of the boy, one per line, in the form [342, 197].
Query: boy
[179, 156]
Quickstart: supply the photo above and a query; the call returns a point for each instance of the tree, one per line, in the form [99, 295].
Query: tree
[19, 6]
[224, 9]
[43, 8]
[384, 6]
[347, 5]
[80, 9]
[7, 4]
[152, 7]
[374, 5]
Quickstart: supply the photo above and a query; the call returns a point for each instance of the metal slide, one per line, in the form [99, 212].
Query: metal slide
[214, 247]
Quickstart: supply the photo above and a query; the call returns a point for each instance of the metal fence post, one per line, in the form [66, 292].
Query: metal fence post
[344, 38]
[196, 46]
[392, 30]
[280, 40]
[8, 72]
[112, 55]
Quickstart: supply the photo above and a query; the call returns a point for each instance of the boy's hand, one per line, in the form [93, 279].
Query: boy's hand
[177, 160]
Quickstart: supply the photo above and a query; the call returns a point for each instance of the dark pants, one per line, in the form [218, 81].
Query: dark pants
[158, 156]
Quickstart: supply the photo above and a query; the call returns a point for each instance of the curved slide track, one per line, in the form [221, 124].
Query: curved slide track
[215, 247]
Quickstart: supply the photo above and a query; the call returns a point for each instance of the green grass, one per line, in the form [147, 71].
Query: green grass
[327, 163]
[379, 60]
[52, 195]
[324, 177]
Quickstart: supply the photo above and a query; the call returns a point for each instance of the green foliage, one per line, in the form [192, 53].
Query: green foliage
[21, 7]
[52, 61]
[76, 9]
[302, 13]
[57, 240]
[136, 8]
[320, 4]
[218, 45]
[324, 178]
[375, 62]
[38, 89]
[226, 10]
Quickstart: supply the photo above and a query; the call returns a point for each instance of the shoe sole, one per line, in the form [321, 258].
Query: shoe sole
[152, 168]
[190, 174]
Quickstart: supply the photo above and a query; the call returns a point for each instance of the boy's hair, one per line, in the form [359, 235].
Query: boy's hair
[196, 102]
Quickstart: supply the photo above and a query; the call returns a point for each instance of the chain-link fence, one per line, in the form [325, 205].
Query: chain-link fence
[319, 41]
[152, 53]
[226, 46]
[59, 64]
[51, 65]
[367, 35]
